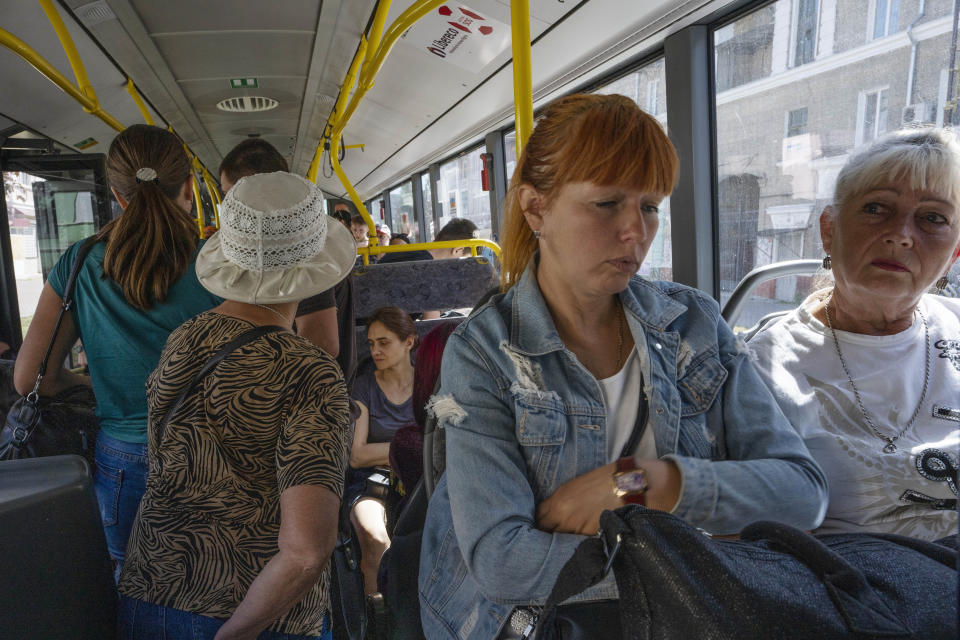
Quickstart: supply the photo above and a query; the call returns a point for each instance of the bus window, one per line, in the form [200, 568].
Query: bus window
[461, 193]
[427, 204]
[401, 211]
[799, 86]
[52, 202]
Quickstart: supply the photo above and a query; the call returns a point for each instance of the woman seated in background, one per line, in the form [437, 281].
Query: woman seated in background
[868, 369]
[583, 387]
[136, 285]
[239, 519]
[383, 395]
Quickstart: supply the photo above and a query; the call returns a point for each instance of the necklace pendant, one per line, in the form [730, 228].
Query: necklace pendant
[890, 448]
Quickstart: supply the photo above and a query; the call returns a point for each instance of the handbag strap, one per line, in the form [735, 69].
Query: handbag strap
[244, 338]
[67, 302]
[639, 425]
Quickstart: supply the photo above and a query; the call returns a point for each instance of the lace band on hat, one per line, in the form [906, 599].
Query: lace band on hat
[146, 174]
[272, 241]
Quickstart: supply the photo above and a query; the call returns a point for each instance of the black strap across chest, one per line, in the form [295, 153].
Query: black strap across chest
[244, 338]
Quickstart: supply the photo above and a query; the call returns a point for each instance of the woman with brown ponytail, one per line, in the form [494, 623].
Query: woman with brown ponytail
[136, 285]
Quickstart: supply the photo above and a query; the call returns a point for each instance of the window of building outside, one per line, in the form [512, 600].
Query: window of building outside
[784, 132]
[401, 211]
[643, 87]
[871, 115]
[806, 32]
[460, 192]
[797, 122]
[427, 204]
[886, 17]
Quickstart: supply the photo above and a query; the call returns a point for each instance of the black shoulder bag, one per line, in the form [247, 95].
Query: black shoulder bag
[244, 338]
[38, 427]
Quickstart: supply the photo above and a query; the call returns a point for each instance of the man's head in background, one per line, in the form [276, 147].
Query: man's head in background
[343, 211]
[253, 155]
[456, 229]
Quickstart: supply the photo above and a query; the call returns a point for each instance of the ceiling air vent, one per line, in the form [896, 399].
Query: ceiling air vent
[247, 104]
[94, 13]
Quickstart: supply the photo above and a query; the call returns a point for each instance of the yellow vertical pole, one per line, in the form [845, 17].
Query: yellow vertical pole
[83, 82]
[132, 90]
[522, 82]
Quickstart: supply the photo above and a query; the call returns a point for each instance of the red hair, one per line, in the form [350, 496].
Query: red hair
[603, 139]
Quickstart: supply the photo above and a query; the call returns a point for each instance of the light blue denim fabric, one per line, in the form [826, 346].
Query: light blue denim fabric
[522, 416]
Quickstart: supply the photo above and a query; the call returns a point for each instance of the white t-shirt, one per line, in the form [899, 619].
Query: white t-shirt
[621, 396]
[871, 490]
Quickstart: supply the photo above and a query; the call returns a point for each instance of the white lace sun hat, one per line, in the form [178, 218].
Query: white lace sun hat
[275, 244]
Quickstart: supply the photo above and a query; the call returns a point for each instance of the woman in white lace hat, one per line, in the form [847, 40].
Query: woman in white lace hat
[868, 370]
[239, 518]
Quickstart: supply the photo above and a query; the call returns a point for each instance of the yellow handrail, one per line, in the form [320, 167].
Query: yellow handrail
[83, 82]
[473, 244]
[197, 201]
[83, 92]
[132, 90]
[50, 72]
[522, 83]
[212, 190]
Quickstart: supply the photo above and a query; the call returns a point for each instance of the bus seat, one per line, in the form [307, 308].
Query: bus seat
[422, 285]
[764, 322]
[56, 577]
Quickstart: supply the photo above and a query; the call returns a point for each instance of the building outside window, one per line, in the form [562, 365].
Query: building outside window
[796, 122]
[886, 17]
[806, 32]
[871, 115]
[777, 160]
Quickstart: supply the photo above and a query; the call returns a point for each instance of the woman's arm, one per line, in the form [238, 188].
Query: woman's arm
[35, 345]
[491, 499]
[362, 453]
[308, 517]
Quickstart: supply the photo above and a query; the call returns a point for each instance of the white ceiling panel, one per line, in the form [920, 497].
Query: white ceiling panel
[220, 15]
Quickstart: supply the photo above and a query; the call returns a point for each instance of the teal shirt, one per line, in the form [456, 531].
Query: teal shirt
[123, 343]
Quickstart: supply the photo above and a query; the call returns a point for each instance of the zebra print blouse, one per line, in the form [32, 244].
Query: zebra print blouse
[272, 415]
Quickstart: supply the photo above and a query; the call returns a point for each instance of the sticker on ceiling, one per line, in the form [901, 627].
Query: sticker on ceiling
[459, 35]
[86, 143]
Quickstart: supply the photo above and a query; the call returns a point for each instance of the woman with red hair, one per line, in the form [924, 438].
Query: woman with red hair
[583, 387]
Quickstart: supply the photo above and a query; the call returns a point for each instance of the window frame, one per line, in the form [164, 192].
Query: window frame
[862, 96]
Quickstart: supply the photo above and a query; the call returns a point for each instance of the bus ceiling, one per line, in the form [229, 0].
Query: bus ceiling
[223, 70]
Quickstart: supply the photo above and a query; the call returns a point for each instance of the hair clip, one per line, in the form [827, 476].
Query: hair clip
[146, 174]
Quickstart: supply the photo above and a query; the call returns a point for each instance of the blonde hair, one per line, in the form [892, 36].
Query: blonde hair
[928, 158]
[603, 139]
[150, 246]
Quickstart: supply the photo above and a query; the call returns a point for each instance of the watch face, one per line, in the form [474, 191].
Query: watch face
[632, 482]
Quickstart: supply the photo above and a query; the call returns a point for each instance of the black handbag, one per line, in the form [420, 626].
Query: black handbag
[37, 427]
[776, 581]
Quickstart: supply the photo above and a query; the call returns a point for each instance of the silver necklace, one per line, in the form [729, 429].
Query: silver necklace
[890, 447]
[272, 310]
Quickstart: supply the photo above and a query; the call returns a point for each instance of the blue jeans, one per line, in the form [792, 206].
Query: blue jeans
[140, 620]
[120, 481]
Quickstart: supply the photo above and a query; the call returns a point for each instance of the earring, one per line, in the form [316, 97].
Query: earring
[827, 262]
[941, 284]
[536, 234]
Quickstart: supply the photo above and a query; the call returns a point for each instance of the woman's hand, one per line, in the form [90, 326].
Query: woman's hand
[576, 506]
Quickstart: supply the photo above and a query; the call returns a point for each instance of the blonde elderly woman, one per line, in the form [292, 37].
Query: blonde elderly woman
[239, 518]
[868, 370]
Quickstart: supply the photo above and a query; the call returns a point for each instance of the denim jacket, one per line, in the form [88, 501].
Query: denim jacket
[522, 416]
